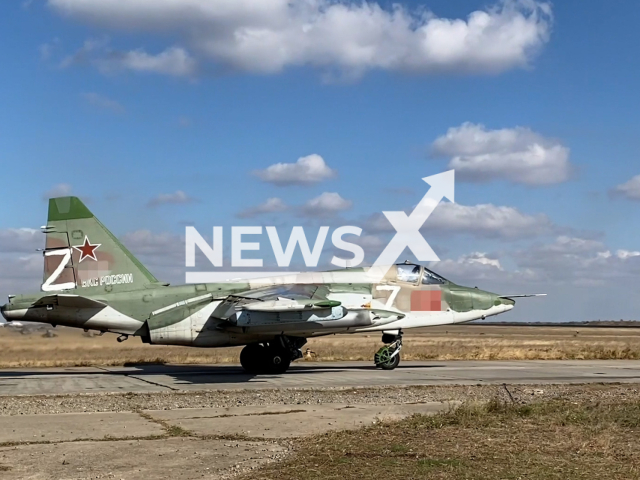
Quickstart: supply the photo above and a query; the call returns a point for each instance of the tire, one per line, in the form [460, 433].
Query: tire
[277, 361]
[251, 358]
[393, 363]
[383, 359]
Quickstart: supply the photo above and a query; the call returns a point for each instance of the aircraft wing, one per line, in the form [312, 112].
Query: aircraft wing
[293, 291]
[73, 301]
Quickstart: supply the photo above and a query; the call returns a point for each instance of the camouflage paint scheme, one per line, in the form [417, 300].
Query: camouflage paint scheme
[92, 281]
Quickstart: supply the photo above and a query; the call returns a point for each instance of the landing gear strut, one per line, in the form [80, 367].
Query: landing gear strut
[388, 357]
[274, 357]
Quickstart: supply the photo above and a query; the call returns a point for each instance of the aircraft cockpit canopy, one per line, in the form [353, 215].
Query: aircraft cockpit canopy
[412, 273]
[432, 278]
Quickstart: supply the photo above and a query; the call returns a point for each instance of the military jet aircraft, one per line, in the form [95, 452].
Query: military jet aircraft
[91, 281]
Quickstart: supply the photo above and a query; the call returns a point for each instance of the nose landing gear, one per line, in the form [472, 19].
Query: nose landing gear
[388, 357]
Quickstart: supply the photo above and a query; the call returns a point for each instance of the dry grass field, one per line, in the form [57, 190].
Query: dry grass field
[548, 440]
[462, 342]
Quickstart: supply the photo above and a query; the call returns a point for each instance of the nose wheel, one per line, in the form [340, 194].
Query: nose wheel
[388, 357]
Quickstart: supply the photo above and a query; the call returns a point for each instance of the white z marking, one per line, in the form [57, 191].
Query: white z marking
[394, 293]
[48, 286]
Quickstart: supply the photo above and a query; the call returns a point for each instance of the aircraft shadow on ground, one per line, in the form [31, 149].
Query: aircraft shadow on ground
[181, 374]
[316, 368]
[191, 374]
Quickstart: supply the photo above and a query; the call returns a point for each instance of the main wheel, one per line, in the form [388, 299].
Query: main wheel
[252, 358]
[384, 360]
[277, 360]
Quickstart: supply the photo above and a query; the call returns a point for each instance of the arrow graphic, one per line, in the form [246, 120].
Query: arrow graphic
[408, 226]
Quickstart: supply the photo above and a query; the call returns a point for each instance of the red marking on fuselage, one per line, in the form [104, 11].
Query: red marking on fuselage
[426, 301]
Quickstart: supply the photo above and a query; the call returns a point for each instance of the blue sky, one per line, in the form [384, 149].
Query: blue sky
[122, 106]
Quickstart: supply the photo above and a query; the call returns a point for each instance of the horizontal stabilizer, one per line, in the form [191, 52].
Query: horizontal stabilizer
[72, 301]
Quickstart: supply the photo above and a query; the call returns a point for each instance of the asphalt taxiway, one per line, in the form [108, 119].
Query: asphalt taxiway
[166, 378]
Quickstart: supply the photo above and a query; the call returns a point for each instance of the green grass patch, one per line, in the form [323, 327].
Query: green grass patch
[176, 431]
[556, 439]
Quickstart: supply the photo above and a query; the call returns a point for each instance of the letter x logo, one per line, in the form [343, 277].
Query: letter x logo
[408, 226]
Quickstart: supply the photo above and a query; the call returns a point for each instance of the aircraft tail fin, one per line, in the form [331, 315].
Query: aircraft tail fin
[80, 253]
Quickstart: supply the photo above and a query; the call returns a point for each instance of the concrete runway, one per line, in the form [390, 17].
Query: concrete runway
[177, 444]
[159, 378]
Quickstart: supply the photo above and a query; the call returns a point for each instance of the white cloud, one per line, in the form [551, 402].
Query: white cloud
[572, 245]
[162, 253]
[580, 261]
[103, 102]
[20, 264]
[567, 261]
[629, 189]
[145, 242]
[59, 190]
[471, 267]
[327, 204]
[20, 240]
[515, 154]
[484, 220]
[173, 61]
[86, 53]
[309, 169]
[487, 220]
[176, 198]
[351, 37]
[370, 242]
[20, 274]
[271, 205]
[625, 254]
[480, 258]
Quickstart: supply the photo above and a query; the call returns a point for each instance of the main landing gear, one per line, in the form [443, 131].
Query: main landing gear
[274, 357]
[388, 357]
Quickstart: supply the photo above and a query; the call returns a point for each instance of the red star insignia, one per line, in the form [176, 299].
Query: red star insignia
[87, 250]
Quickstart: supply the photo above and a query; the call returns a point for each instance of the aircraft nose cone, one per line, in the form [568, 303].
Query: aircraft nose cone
[507, 301]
